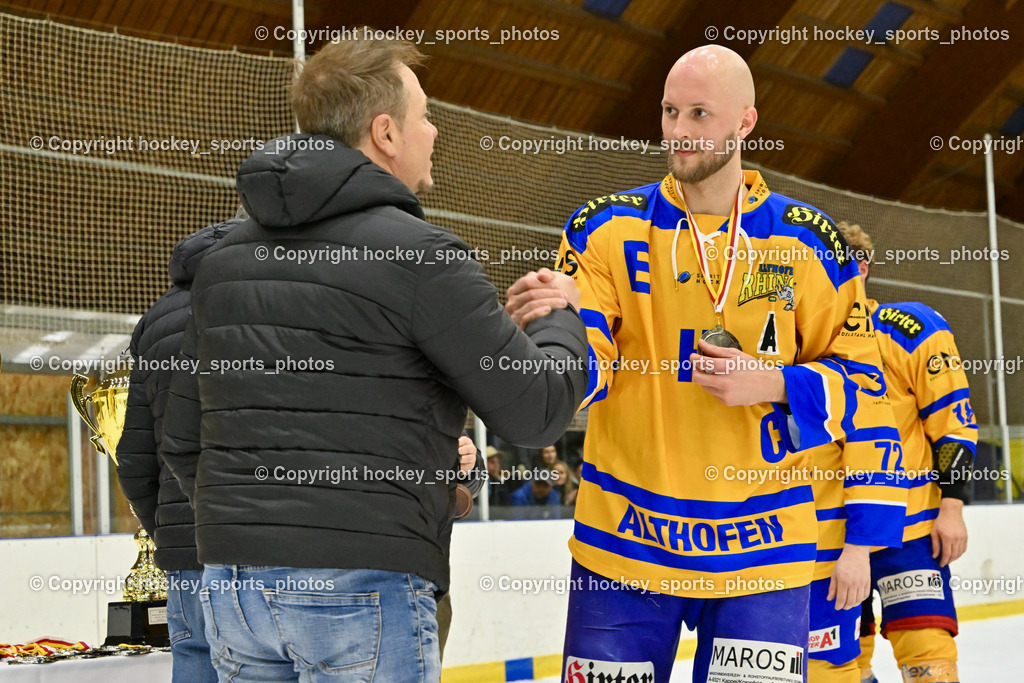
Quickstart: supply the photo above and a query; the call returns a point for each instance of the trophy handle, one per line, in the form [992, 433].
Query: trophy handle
[79, 399]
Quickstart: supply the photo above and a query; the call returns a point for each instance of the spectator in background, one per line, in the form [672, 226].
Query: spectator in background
[499, 488]
[548, 457]
[564, 484]
[537, 491]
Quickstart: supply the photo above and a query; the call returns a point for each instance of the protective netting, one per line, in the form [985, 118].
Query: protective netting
[93, 230]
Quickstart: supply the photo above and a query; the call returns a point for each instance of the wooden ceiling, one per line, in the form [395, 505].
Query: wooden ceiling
[851, 113]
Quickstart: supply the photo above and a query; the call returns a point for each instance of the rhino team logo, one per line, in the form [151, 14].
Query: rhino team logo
[786, 294]
[771, 281]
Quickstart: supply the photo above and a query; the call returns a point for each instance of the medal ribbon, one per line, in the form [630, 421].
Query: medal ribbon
[731, 238]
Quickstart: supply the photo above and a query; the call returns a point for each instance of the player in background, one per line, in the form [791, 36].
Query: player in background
[686, 512]
[931, 402]
[860, 493]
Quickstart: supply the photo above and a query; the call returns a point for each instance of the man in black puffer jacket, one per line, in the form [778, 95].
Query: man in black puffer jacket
[340, 338]
[154, 493]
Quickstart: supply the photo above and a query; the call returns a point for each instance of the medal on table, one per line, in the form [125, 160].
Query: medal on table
[718, 335]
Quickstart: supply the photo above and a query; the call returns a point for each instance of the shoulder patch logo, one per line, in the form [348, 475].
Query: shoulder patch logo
[633, 200]
[907, 324]
[822, 226]
[568, 264]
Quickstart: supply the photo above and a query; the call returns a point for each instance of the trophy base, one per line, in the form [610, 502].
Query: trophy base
[137, 623]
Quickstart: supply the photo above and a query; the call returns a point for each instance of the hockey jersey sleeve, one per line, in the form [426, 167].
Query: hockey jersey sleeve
[580, 257]
[943, 396]
[875, 486]
[838, 366]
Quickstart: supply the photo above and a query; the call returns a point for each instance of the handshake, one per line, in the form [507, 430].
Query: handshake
[538, 293]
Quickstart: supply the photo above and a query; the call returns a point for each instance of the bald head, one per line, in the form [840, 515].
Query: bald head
[718, 67]
[707, 110]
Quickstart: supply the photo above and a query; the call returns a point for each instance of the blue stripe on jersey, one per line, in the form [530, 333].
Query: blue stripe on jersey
[947, 400]
[831, 513]
[799, 552]
[848, 367]
[806, 392]
[874, 434]
[922, 516]
[596, 320]
[828, 555]
[875, 524]
[698, 509]
[895, 480]
[917, 482]
[593, 371]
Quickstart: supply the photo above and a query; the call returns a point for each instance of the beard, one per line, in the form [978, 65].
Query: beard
[708, 164]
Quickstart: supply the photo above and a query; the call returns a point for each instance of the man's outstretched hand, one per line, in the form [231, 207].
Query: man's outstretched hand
[536, 294]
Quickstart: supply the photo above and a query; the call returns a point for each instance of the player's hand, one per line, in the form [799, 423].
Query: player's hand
[467, 454]
[736, 378]
[949, 533]
[536, 294]
[851, 579]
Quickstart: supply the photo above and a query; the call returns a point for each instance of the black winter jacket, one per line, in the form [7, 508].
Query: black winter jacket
[148, 484]
[340, 340]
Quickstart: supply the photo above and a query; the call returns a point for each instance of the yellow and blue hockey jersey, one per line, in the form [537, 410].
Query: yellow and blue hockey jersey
[860, 488]
[680, 493]
[930, 399]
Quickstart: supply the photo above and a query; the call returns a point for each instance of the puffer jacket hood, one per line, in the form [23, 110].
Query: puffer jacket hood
[188, 253]
[300, 178]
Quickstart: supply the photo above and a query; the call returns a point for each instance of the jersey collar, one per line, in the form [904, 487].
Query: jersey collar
[759, 191]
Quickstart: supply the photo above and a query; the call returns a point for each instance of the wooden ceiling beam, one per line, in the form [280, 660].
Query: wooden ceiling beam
[972, 174]
[272, 8]
[935, 10]
[528, 68]
[816, 86]
[800, 136]
[961, 74]
[888, 51]
[690, 31]
[577, 17]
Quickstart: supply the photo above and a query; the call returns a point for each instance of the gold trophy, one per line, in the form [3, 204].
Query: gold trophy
[141, 619]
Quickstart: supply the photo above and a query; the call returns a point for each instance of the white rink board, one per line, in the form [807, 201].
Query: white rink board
[487, 626]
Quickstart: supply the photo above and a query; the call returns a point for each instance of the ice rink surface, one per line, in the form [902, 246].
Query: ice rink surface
[991, 651]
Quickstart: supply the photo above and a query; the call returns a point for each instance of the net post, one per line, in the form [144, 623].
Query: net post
[298, 44]
[480, 436]
[997, 313]
[75, 468]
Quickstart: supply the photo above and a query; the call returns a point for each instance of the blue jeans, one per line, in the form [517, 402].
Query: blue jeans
[189, 650]
[343, 625]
